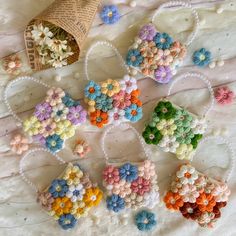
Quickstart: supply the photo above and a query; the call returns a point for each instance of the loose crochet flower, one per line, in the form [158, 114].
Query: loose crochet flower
[54, 96]
[187, 174]
[19, 144]
[103, 103]
[206, 202]
[99, 118]
[67, 221]
[224, 95]
[147, 170]
[92, 90]
[46, 200]
[128, 84]
[163, 40]
[110, 14]
[128, 172]
[92, 196]
[202, 57]
[152, 135]
[147, 32]
[190, 211]
[75, 192]
[115, 203]
[122, 188]
[122, 100]
[185, 152]
[145, 220]
[58, 188]
[59, 112]
[65, 129]
[73, 175]
[54, 143]
[173, 201]
[134, 58]
[110, 87]
[163, 74]
[31, 126]
[165, 110]
[133, 113]
[116, 116]
[169, 144]
[47, 127]
[141, 186]
[62, 205]
[81, 148]
[69, 102]
[167, 127]
[111, 175]
[12, 65]
[77, 115]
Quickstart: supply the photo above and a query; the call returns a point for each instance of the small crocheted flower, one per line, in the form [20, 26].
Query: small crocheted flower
[184, 135]
[54, 143]
[122, 188]
[46, 200]
[19, 144]
[201, 57]
[189, 193]
[31, 126]
[198, 126]
[92, 90]
[163, 74]
[183, 118]
[76, 192]
[206, 202]
[77, 115]
[92, 196]
[59, 112]
[164, 57]
[110, 87]
[147, 170]
[167, 127]
[116, 116]
[65, 129]
[69, 101]
[73, 175]
[168, 144]
[111, 175]
[190, 211]
[185, 152]
[12, 65]
[141, 186]
[151, 199]
[128, 84]
[134, 58]
[54, 96]
[163, 40]
[58, 188]
[80, 209]
[205, 219]
[165, 110]
[145, 220]
[43, 111]
[81, 148]
[134, 201]
[187, 174]
[110, 14]
[134, 97]
[128, 172]
[173, 201]
[152, 135]
[147, 32]
[67, 221]
[104, 103]
[133, 113]
[178, 50]
[224, 95]
[47, 127]
[99, 118]
[62, 205]
[115, 203]
[121, 100]
[221, 192]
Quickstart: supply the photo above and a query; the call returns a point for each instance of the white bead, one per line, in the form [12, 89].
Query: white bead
[133, 72]
[220, 63]
[219, 10]
[77, 75]
[212, 65]
[133, 4]
[57, 78]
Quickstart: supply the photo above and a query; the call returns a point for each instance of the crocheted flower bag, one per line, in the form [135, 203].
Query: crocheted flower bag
[54, 119]
[129, 185]
[175, 129]
[111, 101]
[197, 196]
[157, 55]
[70, 196]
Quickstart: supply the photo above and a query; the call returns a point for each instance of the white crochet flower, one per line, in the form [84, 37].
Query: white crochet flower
[189, 193]
[59, 112]
[168, 144]
[76, 192]
[151, 199]
[116, 116]
[221, 192]
[41, 35]
[185, 151]
[187, 174]
[128, 84]
[199, 126]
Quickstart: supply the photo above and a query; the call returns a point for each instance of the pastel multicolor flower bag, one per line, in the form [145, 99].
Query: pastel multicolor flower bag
[157, 55]
[54, 120]
[196, 195]
[68, 197]
[111, 101]
[173, 128]
[129, 185]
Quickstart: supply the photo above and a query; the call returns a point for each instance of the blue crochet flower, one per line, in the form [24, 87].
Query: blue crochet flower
[54, 143]
[134, 58]
[115, 203]
[145, 220]
[92, 90]
[128, 172]
[201, 57]
[58, 188]
[69, 101]
[67, 221]
[133, 113]
[163, 40]
[110, 14]
[104, 103]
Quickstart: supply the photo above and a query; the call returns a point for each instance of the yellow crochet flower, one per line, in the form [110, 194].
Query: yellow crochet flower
[185, 152]
[62, 206]
[92, 197]
[167, 127]
[32, 126]
[110, 87]
[79, 209]
[73, 174]
[65, 129]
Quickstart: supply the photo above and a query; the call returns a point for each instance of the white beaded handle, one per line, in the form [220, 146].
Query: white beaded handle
[103, 43]
[192, 36]
[125, 125]
[201, 77]
[221, 140]
[32, 185]
[13, 82]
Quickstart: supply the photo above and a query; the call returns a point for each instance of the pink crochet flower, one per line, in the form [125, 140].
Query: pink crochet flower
[19, 144]
[221, 192]
[147, 170]
[82, 148]
[111, 175]
[141, 186]
[164, 57]
[189, 193]
[47, 127]
[46, 200]
[54, 96]
[122, 188]
[224, 95]
[122, 100]
[12, 65]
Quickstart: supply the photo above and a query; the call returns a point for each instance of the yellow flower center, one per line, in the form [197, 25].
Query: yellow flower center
[53, 143]
[202, 57]
[58, 188]
[72, 176]
[110, 14]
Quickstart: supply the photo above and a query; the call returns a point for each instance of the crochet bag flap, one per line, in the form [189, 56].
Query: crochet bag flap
[130, 185]
[175, 129]
[54, 119]
[157, 55]
[111, 101]
[197, 196]
[70, 196]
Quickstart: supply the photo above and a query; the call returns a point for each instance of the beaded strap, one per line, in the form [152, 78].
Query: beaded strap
[201, 77]
[125, 125]
[27, 155]
[221, 140]
[105, 43]
[192, 36]
[5, 93]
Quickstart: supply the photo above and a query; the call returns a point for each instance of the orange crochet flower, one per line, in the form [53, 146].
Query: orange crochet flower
[92, 196]
[178, 50]
[99, 118]
[134, 97]
[62, 206]
[206, 202]
[173, 201]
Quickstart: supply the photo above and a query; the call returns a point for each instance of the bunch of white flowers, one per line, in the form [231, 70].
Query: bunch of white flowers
[52, 51]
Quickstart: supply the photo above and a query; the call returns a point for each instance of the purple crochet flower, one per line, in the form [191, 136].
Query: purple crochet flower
[147, 32]
[163, 74]
[39, 139]
[43, 111]
[77, 115]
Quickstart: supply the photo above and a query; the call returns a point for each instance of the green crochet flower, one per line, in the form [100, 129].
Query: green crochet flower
[152, 135]
[195, 140]
[183, 118]
[154, 121]
[165, 110]
[184, 135]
